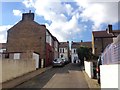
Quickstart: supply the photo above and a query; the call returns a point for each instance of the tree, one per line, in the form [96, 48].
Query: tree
[84, 52]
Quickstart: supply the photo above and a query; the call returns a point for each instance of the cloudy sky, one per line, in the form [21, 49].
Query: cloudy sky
[68, 20]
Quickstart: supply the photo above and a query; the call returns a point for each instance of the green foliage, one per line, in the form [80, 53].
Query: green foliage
[94, 57]
[85, 52]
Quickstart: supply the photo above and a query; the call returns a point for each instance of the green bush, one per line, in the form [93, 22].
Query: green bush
[85, 52]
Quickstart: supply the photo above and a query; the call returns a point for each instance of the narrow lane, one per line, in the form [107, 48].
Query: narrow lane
[69, 76]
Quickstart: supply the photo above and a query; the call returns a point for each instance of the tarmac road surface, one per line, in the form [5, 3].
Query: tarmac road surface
[69, 76]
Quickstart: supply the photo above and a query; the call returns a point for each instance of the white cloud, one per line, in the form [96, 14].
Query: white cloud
[3, 33]
[65, 18]
[55, 12]
[28, 3]
[17, 12]
[50, 10]
[99, 12]
[2, 39]
[65, 30]
[69, 9]
[5, 28]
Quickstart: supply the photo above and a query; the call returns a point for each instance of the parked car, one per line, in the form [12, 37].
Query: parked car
[98, 69]
[58, 62]
[65, 61]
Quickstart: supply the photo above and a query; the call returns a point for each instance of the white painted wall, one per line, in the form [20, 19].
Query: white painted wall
[109, 76]
[89, 68]
[48, 38]
[74, 54]
[36, 58]
[2, 50]
[16, 56]
[65, 54]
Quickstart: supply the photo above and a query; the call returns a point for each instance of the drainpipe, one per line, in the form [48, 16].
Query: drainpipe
[102, 44]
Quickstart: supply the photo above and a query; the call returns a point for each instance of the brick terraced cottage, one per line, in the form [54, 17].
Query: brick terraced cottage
[28, 35]
[100, 39]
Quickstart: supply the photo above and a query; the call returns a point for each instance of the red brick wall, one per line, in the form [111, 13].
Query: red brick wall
[27, 35]
[49, 54]
[102, 42]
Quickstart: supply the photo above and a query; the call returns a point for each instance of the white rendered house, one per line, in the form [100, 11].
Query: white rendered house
[74, 55]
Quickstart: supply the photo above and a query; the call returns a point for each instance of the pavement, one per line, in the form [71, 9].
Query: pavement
[92, 83]
[21, 79]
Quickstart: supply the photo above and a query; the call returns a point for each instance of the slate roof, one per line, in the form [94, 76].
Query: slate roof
[77, 44]
[101, 34]
[64, 44]
[104, 34]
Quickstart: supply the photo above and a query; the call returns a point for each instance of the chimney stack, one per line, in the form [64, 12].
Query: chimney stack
[109, 30]
[29, 11]
[28, 16]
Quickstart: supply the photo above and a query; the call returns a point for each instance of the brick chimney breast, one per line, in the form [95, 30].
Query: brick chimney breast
[28, 16]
